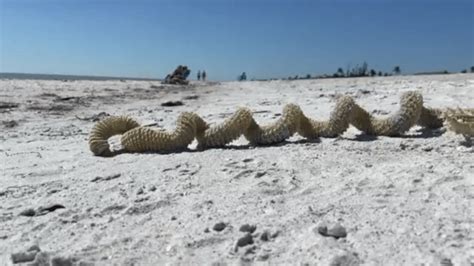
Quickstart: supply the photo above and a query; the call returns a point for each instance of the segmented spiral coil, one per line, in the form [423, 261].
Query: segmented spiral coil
[190, 126]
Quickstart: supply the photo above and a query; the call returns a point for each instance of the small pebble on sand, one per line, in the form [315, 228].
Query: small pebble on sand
[28, 212]
[336, 231]
[245, 240]
[219, 226]
[248, 228]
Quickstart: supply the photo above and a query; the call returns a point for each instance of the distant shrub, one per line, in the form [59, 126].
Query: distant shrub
[397, 70]
[340, 72]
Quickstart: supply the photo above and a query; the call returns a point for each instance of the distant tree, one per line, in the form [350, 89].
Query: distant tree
[373, 73]
[363, 70]
[380, 73]
[340, 72]
[385, 74]
[472, 69]
[354, 71]
[296, 77]
[308, 76]
[357, 71]
[348, 70]
[397, 70]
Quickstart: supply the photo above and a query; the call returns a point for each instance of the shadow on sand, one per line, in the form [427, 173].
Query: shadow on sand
[423, 134]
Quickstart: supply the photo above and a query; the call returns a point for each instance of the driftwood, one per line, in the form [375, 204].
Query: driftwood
[178, 76]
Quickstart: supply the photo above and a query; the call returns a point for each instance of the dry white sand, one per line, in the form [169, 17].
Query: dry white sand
[406, 200]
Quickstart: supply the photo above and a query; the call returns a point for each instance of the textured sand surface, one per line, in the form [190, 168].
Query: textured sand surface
[406, 200]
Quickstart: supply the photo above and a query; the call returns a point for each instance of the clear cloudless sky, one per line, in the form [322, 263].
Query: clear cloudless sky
[145, 38]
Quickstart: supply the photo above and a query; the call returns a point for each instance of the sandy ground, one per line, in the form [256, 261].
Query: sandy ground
[402, 201]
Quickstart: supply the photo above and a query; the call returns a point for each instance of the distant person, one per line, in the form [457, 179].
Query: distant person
[243, 76]
[203, 75]
[199, 75]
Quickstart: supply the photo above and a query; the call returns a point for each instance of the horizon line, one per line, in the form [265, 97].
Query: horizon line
[54, 76]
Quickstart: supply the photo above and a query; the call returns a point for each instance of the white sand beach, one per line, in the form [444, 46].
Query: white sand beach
[402, 200]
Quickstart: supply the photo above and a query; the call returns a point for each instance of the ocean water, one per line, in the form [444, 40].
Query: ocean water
[65, 77]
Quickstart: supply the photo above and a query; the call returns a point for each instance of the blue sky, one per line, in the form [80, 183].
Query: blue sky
[279, 38]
